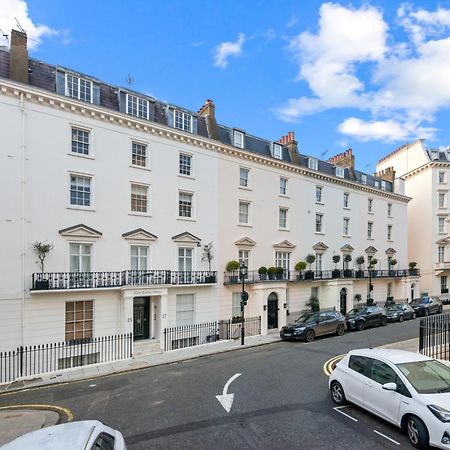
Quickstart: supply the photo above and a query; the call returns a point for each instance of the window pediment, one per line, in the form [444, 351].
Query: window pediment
[371, 250]
[186, 238]
[140, 235]
[442, 242]
[347, 248]
[80, 230]
[320, 247]
[245, 242]
[390, 251]
[284, 245]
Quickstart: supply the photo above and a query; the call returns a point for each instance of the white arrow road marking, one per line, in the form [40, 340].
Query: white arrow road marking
[226, 400]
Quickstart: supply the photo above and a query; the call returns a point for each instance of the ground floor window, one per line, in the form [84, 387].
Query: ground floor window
[185, 309]
[79, 320]
[444, 289]
[236, 305]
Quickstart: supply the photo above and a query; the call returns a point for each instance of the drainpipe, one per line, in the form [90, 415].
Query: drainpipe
[22, 217]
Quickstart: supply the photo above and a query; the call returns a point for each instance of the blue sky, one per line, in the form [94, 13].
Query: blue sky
[362, 75]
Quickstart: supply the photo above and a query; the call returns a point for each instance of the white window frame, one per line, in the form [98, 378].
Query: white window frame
[383, 185]
[346, 226]
[80, 255]
[313, 164]
[283, 221]
[277, 151]
[389, 232]
[389, 209]
[441, 225]
[78, 97]
[346, 200]
[248, 213]
[140, 258]
[363, 178]
[444, 281]
[186, 121]
[441, 253]
[244, 181]
[319, 223]
[182, 166]
[441, 200]
[319, 261]
[72, 141]
[184, 255]
[236, 304]
[140, 102]
[244, 257]
[147, 203]
[319, 194]
[185, 309]
[340, 171]
[192, 210]
[146, 156]
[441, 177]
[283, 259]
[369, 230]
[283, 187]
[238, 139]
[91, 193]
[370, 205]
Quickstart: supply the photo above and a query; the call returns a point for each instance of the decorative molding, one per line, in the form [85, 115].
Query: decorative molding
[347, 248]
[186, 238]
[390, 251]
[284, 245]
[370, 250]
[54, 100]
[80, 230]
[443, 241]
[245, 242]
[320, 247]
[139, 234]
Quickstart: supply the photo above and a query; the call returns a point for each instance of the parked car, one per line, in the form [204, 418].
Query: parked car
[400, 313]
[366, 316]
[426, 305]
[82, 435]
[310, 325]
[407, 389]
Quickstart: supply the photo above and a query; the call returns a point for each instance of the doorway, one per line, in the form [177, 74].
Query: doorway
[343, 301]
[413, 291]
[141, 322]
[272, 311]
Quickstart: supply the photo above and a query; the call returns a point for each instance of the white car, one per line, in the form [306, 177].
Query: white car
[83, 435]
[407, 389]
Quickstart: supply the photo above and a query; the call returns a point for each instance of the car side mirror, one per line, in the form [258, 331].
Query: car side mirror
[389, 387]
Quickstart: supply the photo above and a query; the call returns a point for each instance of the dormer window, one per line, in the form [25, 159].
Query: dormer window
[363, 178]
[377, 184]
[78, 88]
[183, 121]
[313, 164]
[238, 139]
[383, 185]
[340, 171]
[277, 151]
[137, 107]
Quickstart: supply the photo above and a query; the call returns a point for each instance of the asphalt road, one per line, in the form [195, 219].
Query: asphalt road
[281, 399]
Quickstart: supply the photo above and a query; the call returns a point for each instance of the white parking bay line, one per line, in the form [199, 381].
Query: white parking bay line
[386, 437]
[338, 409]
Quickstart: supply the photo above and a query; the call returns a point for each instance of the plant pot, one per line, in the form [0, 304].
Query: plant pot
[234, 279]
[444, 291]
[347, 273]
[272, 276]
[336, 273]
[359, 273]
[413, 272]
[392, 273]
[300, 276]
[263, 276]
[210, 279]
[41, 285]
[279, 276]
[309, 275]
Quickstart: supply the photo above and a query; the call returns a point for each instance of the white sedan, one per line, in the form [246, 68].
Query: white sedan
[83, 435]
[407, 389]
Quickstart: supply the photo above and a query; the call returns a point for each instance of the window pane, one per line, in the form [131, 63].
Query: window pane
[185, 164]
[80, 190]
[80, 141]
[139, 198]
[185, 204]
[138, 154]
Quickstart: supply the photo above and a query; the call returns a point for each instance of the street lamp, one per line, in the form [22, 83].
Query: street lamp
[372, 261]
[244, 298]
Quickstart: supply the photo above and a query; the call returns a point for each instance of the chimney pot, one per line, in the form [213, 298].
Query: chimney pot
[18, 57]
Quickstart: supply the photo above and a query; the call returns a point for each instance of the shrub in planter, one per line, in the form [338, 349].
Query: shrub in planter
[336, 273]
[262, 273]
[279, 272]
[310, 260]
[360, 261]
[42, 250]
[233, 267]
[300, 267]
[347, 272]
[392, 263]
[412, 268]
[370, 302]
[271, 271]
[373, 262]
[389, 302]
[313, 303]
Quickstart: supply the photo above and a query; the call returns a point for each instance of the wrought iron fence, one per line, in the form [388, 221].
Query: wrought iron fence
[206, 333]
[434, 336]
[37, 359]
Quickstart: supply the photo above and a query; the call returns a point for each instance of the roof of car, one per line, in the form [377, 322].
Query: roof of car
[72, 435]
[389, 354]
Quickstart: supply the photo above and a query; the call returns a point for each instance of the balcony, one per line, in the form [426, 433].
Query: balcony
[254, 277]
[444, 265]
[94, 280]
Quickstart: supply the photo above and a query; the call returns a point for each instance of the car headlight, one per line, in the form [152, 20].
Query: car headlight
[352, 320]
[299, 330]
[441, 413]
[394, 315]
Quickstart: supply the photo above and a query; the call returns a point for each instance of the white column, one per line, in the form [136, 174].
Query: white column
[163, 310]
[126, 312]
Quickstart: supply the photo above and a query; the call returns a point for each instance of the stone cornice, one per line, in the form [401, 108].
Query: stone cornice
[428, 165]
[39, 96]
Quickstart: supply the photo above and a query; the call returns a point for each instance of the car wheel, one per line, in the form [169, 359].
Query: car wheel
[309, 337]
[337, 393]
[360, 325]
[417, 432]
[400, 319]
[340, 330]
[414, 315]
[384, 321]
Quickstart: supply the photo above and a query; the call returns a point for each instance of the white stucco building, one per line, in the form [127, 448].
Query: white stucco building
[426, 174]
[128, 190]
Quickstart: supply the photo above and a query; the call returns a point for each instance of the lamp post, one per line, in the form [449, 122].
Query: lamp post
[244, 298]
[369, 292]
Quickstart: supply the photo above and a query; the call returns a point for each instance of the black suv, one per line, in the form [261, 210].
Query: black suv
[426, 305]
[366, 316]
[312, 324]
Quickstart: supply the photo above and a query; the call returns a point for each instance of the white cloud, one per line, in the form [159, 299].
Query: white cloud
[293, 20]
[227, 49]
[408, 81]
[18, 9]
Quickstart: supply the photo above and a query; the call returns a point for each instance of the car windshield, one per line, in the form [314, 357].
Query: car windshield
[307, 318]
[395, 308]
[356, 312]
[427, 377]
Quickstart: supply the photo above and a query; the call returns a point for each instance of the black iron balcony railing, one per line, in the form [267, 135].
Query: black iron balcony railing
[89, 280]
[254, 276]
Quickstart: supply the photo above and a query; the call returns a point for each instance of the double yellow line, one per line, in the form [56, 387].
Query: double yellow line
[329, 365]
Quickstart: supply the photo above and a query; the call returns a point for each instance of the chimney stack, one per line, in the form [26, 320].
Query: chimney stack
[344, 159]
[387, 174]
[208, 111]
[290, 142]
[18, 57]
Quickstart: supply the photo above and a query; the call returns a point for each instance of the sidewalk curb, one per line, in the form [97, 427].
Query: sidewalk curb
[65, 414]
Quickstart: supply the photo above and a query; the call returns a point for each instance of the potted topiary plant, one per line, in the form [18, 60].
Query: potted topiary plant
[360, 261]
[309, 275]
[208, 256]
[271, 271]
[373, 262]
[42, 250]
[347, 272]
[279, 273]
[262, 273]
[313, 304]
[412, 268]
[232, 267]
[300, 267]
[392, 263]
[336, 273]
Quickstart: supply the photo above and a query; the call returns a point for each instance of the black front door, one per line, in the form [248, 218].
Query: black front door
[140, 318]
[272, 311]
[343, 301]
